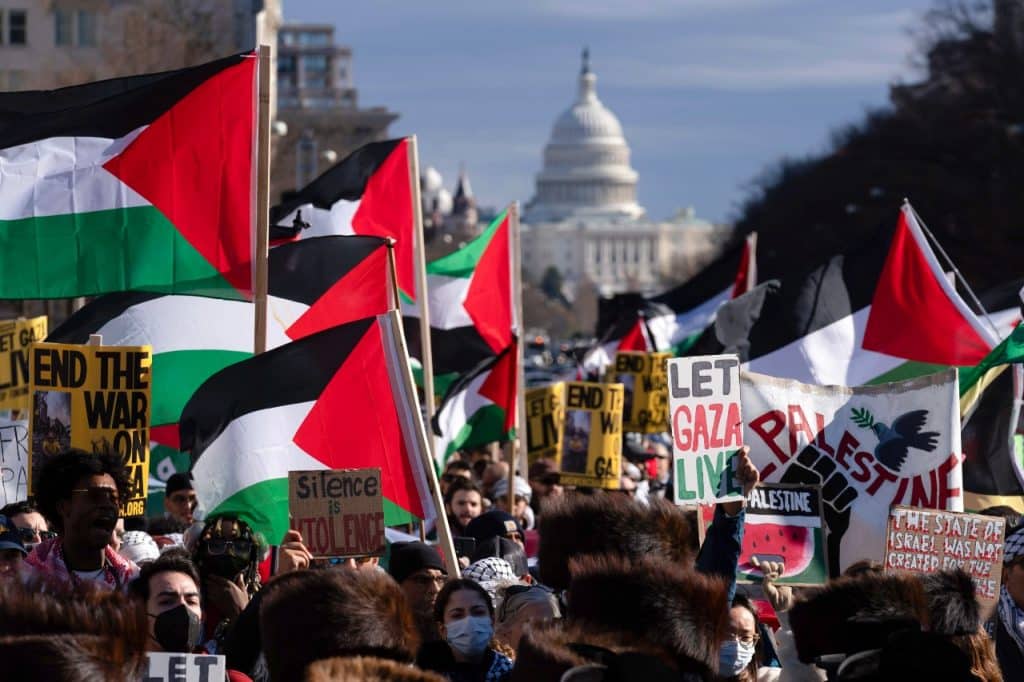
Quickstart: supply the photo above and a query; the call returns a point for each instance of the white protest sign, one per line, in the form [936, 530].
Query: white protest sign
[164, 667]
[707, 427]
[13, 461]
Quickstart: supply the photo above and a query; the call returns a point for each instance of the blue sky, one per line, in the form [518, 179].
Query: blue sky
[709, 92]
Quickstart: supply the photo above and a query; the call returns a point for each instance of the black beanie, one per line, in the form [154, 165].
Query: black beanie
[409, 557]
[179, 481]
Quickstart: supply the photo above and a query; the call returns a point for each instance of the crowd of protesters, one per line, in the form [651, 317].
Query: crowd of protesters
[553, 583]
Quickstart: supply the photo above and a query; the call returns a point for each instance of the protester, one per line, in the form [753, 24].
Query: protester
[523, 494]
[660, 482]
[79, 493]
[520, 604]
[495, 524]
[456, 468]
[465, 614]
[954, 612]
[491, 573]
[169, 589]
[463, 503]
[308, 616]
[31, 525]
[492, 474]
[508, 550]
[545, 482]
[12, 551]
[180, 501]
[1007, 626]
[419, 571]
[737, 661]
[139, 546]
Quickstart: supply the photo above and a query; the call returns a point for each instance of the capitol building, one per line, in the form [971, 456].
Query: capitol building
[584, 219]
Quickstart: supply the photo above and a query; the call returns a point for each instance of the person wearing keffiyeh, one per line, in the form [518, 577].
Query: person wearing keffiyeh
[1007, 627]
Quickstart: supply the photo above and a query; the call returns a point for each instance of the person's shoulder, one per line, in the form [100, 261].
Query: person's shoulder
[500, 667]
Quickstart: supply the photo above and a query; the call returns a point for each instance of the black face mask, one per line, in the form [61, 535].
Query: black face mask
[225, 565]
[177, 630]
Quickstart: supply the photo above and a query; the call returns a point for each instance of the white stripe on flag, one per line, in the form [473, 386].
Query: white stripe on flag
[323, 222]
[668, 330]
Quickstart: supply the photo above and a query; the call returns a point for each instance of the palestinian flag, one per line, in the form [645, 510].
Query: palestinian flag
[368, 192]
[470, 302]
[993, 461]
[340, 398]
[479, 407]
[140, 183]
[859, 318]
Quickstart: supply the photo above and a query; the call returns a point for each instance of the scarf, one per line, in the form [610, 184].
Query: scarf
[1012, 617]
[47, 560]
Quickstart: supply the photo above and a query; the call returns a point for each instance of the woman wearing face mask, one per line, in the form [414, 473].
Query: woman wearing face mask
[465, 614]
[737, 658]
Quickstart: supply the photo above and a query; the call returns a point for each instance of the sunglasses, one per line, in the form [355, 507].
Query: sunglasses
[216, 546]
[29, 535]
[100, 495]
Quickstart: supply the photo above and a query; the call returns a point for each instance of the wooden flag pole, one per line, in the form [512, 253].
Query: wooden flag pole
[396, 299]
[426, 357]
[260, 276]
[519, 329]
[444, 533]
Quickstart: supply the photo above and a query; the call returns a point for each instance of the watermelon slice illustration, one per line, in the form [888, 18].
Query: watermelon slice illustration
[792, 545]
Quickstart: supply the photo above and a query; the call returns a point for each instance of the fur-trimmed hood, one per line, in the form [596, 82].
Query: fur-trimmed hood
[952, 606]
[578, 525]
[677, 609]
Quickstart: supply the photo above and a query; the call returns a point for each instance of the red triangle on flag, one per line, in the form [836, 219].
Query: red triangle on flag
[194, 163]
[916, 313]
[500, 386]
[489, 298]
[355, 423]
[635, 339]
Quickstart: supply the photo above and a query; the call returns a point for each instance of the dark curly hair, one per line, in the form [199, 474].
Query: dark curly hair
[60, 474]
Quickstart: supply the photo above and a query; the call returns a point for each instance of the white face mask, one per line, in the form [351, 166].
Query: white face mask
[733, 657]
[470, 635]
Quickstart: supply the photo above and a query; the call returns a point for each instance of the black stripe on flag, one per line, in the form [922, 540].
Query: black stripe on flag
[108, 108]
[303, 271]
[453, 350]
[92, 316]
[297, 372]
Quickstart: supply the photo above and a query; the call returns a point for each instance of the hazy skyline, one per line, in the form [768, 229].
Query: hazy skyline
[709, 92]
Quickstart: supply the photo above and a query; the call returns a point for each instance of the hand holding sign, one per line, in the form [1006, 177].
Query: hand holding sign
[747, 476]
[292, 553]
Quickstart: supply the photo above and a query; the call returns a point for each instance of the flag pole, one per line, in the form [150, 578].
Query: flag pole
[426, 357]
[444, 533]
[260, 275]
[393, 275]
[518, 449]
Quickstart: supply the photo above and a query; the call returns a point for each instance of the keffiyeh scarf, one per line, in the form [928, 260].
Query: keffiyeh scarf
[47, 560]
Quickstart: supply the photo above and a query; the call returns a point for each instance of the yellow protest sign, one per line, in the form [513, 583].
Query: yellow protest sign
[545, 414]
[645, 382]
[15, 338]
[92, 398]
[592, 435]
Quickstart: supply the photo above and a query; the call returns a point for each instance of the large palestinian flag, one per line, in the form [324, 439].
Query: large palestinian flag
[141, 183]
[470, 303]
[479, 407]
[335, 399]
[368, 192]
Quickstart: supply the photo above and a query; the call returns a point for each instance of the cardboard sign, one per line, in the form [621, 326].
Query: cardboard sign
[706, 427]
[783, 524]
[340, 512]
[15, 338]
[928, 541]
[592, 435]
[92, 398]
[545, 414]
[164, 667]
[645, 384]
[13, 461]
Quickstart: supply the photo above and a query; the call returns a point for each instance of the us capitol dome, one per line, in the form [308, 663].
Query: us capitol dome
[584, 219]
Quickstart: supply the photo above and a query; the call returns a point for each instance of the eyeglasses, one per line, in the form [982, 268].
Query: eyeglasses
[100, 495]
[190, 500]
[215, 546]
[30, 534]
[747, 640]
[428, 580]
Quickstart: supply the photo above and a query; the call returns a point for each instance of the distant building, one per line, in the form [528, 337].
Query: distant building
[584, 219]
[318, 102]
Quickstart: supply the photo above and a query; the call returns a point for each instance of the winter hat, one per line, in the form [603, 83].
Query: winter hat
[9, 537]
[493, 524]
[953, 608]
[179, 481]
[1014, 548]
[409, 557]
[139, 546]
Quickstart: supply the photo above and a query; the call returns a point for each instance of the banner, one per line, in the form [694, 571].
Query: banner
[164, 667]
[15, 338]
[92, 398]
[592, 435]
[340, 512]
[545, 415]
[868, 448]
[783, 524]
[924, 541]
[13, 461]
[706, 427]
[645, 390]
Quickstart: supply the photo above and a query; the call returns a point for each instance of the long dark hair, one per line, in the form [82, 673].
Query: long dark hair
[453, 586]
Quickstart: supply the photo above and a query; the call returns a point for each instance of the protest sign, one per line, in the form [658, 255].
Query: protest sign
[15, 338]
[645, 390]
[928, 541]
[164, 667]
[783, 524]
[592, 435]
[340, 512]
[92, 398]
[868, 448]
[704, 404]
[13, 461]
[545, 414]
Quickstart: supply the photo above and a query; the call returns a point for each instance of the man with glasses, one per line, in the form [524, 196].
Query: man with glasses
[28, 522]
[419, 571]
[80, 494]
[180, 500]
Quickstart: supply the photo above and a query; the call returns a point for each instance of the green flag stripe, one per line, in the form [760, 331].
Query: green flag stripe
[177, 375]
[462, 262]
[1009, 351]
[85, 254]
[486, 425]
[908, 370]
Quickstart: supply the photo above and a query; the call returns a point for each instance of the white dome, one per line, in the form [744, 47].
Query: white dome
[586, 163]
[431, 180]
[444, 201]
